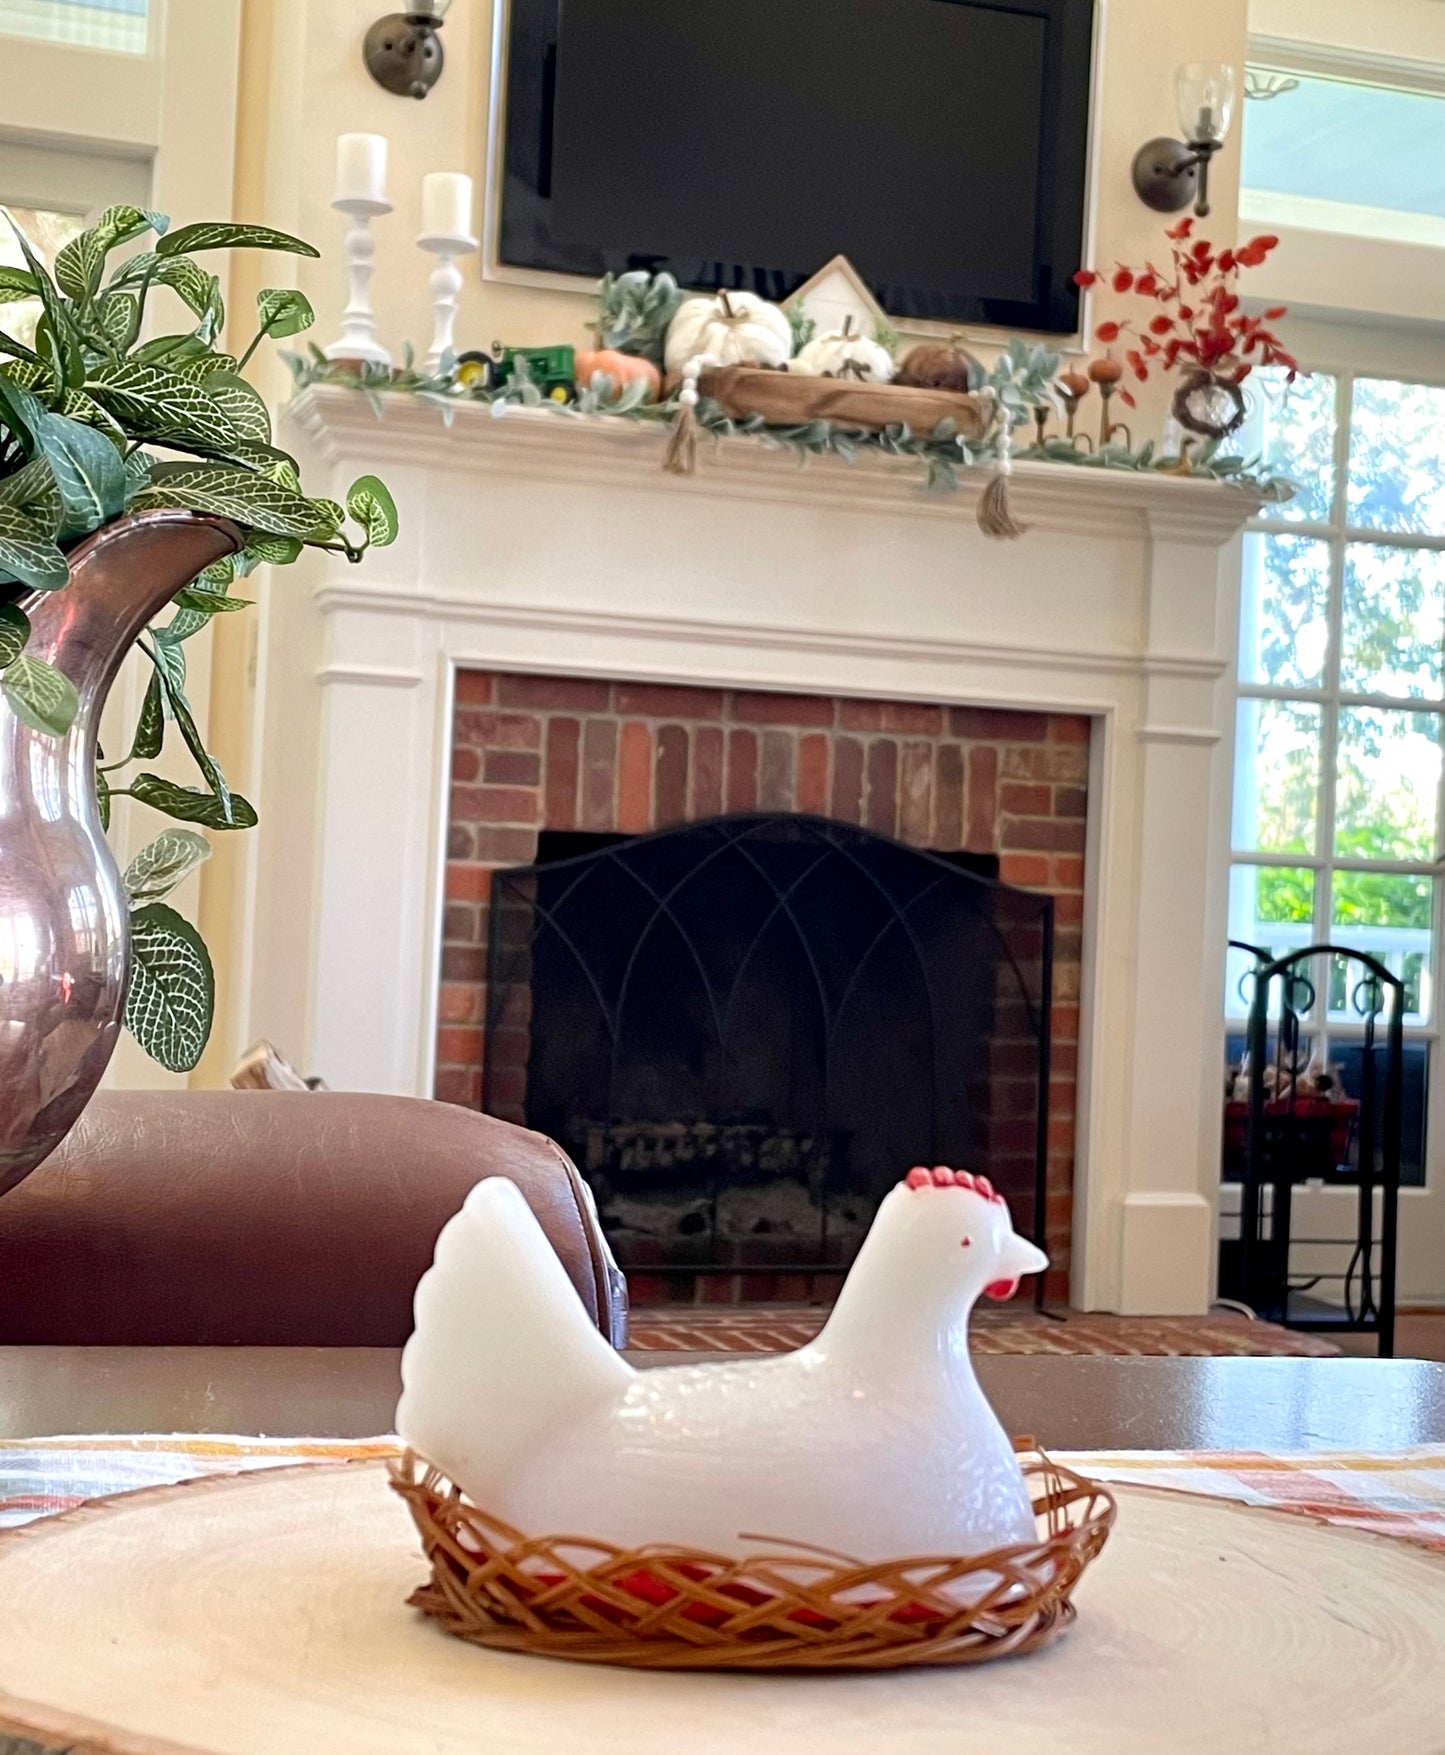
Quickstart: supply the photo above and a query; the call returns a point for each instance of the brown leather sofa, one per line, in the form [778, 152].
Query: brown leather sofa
[268, 1219]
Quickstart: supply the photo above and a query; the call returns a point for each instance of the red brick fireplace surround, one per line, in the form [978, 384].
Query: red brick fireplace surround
[543, 752]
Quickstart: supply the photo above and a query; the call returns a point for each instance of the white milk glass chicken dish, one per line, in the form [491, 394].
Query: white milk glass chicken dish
[873, 1441]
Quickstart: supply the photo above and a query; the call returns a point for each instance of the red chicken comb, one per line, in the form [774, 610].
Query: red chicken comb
[942, 1177]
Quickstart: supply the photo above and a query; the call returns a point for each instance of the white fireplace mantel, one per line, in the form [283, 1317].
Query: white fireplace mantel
[555, 543]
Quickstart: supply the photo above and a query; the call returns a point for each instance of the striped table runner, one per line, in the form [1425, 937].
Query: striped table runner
[1396, 1493]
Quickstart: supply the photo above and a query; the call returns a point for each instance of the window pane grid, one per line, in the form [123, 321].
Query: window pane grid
[1316, 697]
[117, 25]
[1348, 637]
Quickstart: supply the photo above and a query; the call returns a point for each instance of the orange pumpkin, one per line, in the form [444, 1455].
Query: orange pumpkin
[622, 368]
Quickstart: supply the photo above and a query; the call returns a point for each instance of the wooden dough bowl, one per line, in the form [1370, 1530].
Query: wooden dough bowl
[790, 399]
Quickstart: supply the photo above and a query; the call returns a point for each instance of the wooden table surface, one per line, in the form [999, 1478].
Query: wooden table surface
[1085, 1403]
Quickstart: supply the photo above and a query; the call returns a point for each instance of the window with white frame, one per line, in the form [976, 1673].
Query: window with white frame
[1341, 147]
[120, 25]
[1338, 797]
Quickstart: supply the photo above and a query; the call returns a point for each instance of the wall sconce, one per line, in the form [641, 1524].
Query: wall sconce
[1169, 174]
[403, 52]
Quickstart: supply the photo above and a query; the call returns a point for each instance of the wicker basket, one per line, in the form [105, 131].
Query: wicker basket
[677, 1608]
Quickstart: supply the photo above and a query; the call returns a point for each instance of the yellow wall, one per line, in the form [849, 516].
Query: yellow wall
[303, 83]
[1412, 28]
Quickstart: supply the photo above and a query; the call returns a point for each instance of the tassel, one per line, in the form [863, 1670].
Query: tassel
[680, 457]
[994, 515]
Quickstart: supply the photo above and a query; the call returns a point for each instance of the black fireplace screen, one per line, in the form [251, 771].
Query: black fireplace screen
[745, 1030]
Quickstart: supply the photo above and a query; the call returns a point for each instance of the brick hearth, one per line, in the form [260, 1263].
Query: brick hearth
[539, 752]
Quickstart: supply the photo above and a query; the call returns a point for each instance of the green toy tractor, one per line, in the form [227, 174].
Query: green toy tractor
[552, 369]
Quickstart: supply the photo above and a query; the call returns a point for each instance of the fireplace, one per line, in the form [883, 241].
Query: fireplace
[741, 1029]
[589, 961]
[597, 646]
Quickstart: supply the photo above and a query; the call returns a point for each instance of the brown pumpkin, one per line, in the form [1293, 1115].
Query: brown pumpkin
[622, 368]
[940, 365]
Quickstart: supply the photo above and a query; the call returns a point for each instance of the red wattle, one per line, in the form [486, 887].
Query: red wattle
[1001, 1289]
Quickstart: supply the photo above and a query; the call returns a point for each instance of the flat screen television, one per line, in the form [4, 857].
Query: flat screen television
[941, 145]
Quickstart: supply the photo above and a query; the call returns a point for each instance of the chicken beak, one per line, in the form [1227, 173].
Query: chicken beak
[1021, 1257]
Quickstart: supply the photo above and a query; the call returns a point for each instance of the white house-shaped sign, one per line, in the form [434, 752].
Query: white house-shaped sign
[837, 291]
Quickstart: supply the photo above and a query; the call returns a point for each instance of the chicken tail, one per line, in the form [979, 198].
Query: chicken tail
[503, 1351]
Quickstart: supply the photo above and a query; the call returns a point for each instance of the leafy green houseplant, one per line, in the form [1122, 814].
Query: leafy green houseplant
[97, 424]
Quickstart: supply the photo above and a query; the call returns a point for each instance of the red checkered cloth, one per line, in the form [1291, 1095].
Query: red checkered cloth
[1394, 1493]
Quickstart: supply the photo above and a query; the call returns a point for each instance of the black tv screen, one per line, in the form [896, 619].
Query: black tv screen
[941, 145]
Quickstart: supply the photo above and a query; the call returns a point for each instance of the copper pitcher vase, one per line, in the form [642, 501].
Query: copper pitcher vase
[64, 918]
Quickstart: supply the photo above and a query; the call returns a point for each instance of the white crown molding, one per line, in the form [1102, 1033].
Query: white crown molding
[1334, 61]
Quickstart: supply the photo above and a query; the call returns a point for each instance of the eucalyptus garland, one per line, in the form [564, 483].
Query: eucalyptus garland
[1020, 380]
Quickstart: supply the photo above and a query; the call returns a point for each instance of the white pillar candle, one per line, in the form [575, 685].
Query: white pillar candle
[446, 204]
[361, 167]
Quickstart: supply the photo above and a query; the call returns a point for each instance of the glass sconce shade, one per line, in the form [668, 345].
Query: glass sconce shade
[1206, 94]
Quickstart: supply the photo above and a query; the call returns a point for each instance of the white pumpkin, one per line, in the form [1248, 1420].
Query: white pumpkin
[728, 329]
[842, 354]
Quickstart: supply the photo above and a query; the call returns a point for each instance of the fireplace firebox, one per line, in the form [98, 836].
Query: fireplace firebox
[744, 1029]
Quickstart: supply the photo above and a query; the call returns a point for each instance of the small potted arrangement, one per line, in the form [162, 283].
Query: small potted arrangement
[133, 474]
[1198, 328]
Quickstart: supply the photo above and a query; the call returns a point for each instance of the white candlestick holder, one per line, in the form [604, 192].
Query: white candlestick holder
[358, 325]
[446, 287]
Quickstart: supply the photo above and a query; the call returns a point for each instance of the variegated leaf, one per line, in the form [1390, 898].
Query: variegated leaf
[160, 404]
[208, 603]
[33, 495]
[330, 516]
[138, 467]
[163, 863]
[244, 408]
[55, 336]
[268, 460]
[190, 805]
[241, 494]
[219, 235]
[171, 352]
[120, 318]
[88, 472]
[78, 406]
[27, 555]
[17, 283]
[272, 551]
[182, 626]
[218, 576]
[284, 311]
[371, 505]
[172, 994]
[187, 279]
[136, 270]
[150, 729]
[28, 374]
[14, 632]
[79, 263]
[206, 365]
[170, 664]
[41, 695]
